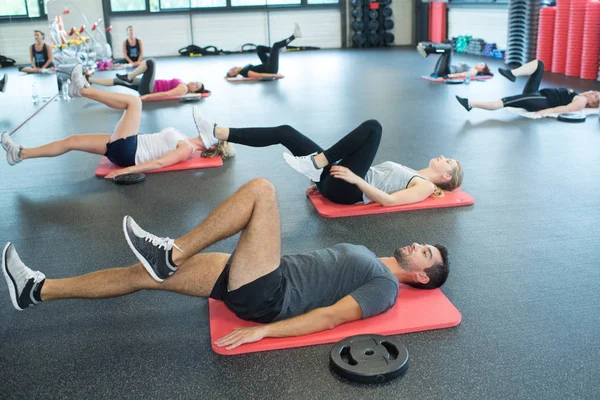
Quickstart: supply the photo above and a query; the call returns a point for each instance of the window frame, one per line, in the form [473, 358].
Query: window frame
[24, 18]
[228, 8]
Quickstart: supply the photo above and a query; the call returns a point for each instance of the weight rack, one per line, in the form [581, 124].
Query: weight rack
[372, 23]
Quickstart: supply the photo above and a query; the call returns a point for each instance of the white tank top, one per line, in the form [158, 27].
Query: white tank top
[389, 177]
[156, 145]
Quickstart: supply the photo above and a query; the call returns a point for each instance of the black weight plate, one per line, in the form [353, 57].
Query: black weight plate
[373, 14]
[388, 24]
[388, 38]
[387, 2]
[373, 24]
[369, 358]
[359, 39]
[572, 117]
[358, 26]
[129, 179]
[356, 3]
[266, 78]
[454, 81]
[193, 99]
[374, 38]
[357, 13]
[387, 11]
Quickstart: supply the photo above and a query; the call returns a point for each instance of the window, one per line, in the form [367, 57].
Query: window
[236, 3]
[128, 5]
[157, 5]
[21, 9]
[322, 1]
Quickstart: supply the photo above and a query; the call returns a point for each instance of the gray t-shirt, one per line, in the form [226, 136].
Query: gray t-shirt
[389, 177]
[458, 68]
[320, 278]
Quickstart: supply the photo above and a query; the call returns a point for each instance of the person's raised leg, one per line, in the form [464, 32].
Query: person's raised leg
[528, 69]
[484, 105]
[272, 66]
[263, 53]
[136, 72]
[146, 84]
[252, 210]
[102, 81]
[130, 121]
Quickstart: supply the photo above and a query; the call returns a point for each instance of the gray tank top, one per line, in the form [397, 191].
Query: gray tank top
[389, 177]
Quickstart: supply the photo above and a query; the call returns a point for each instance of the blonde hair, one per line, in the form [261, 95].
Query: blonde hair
[453, 183]
[223, 149]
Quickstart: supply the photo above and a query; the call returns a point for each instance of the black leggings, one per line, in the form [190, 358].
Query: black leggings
[442, 67]
[269, 56]
[145, 85]
[354, 151]
[531, 99]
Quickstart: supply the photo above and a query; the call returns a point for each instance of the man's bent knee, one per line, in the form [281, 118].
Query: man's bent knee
[263, 186]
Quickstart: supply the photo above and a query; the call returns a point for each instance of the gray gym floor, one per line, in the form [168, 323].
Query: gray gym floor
[524, 263]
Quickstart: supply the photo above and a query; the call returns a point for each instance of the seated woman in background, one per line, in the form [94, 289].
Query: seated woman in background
[269, 57]
[147, 86]
[542, 102]
[131, 151]
[40, 55]
[133, 49]
[443, 68]
[344, 173]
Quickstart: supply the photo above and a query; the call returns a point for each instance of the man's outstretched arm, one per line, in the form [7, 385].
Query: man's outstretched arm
[320, 319]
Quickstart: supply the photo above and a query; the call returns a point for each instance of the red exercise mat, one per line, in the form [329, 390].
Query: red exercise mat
[185, 96]
[415, 310]
[194, 162]
[329, 209]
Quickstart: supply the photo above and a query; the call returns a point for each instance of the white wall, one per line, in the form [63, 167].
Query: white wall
[164, 34]
[488, 24]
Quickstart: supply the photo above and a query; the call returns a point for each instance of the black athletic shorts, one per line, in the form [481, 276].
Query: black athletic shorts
[258, 301]
[121, 152]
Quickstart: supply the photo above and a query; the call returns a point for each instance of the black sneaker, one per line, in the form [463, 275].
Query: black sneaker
[153, 252]
[124, 78]
[507, 73]
[464, 102]
[24, 284]
[3, 83]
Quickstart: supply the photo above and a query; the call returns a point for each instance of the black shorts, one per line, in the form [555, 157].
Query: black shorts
[121, 152]
[259, 301]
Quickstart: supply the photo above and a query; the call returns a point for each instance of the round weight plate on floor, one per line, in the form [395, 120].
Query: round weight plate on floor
[129, 179]
[357, 13]
[454, 81]
[266, 78]
[571, 117]
[387, 11]
[369, 358]
[358, 25]
[190, 99]
[373, 24]
[373, 14]
[388, 24]
[359, 39]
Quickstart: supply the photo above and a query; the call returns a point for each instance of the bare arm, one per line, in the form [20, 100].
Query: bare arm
[182, 152]
[179, 90]
[125, 55]
[320, 319]
[578, 104]
[252, 74]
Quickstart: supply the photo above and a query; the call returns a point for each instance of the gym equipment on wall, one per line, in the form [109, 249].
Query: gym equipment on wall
[372, 23]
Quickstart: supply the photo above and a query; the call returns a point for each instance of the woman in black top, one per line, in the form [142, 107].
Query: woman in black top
[269, 56]
[133, 50]
[40, 55]
[545, 101]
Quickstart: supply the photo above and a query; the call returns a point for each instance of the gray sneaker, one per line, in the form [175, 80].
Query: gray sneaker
[78, 81]
[13, 150]
[205, 129]
[153, 252]
[24, 284]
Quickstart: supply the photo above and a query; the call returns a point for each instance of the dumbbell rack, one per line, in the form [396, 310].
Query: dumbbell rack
[372, 22]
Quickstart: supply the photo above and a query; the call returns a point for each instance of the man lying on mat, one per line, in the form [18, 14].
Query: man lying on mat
[147, 86]
[344, 173]
[292, 295]
[124, 147]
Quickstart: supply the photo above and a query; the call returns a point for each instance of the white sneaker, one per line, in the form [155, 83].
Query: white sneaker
[205, 129]
[78, 81]
[421, 50]
[304, 165]
[13, 150]
[23, 283]
[297, 32]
